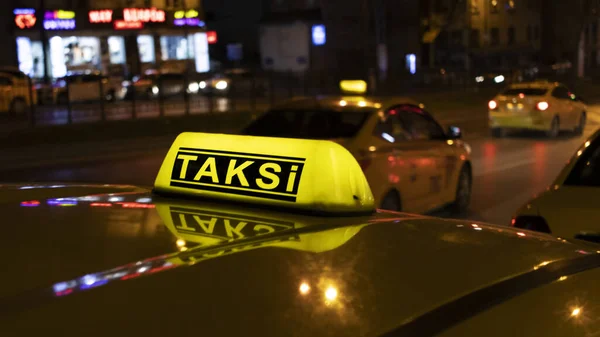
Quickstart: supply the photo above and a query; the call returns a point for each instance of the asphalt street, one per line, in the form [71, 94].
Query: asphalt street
[507, 171]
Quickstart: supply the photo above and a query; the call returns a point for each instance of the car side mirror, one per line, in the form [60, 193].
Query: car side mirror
[454, 132]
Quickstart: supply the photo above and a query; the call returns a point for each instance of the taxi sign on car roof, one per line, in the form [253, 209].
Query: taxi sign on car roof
[308, 175]
[353, 86]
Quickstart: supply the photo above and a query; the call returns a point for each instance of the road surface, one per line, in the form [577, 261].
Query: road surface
[507, 171]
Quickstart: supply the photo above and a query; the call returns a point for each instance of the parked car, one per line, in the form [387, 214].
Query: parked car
[16, 92]
[152, 83]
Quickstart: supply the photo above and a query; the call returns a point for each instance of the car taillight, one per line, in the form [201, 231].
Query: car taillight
[493, 105]
[542, 106]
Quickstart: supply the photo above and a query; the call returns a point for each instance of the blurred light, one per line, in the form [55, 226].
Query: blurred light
[377, 106]
[353, 86]
[100, 204]
[144, 200]
[362, 104]
[155, 90]
[450, 142]
[478, 229]
[513, 222]
[202, 85]
[89, 280]
[193, 87]
[343, 103]
[319, 35]
[143, 269]
[331, 293]
[411, 63]
[211, 37]
[479, 79]
[576, 312]
[304, 288]
[542, 106]
[499, 79]
[521, 234]
[115, 199]
[26, 187]
[62, 286]
[221, 85]
[421, 105]
[388, 137]
[587, 143]
[372, 148]
[180, 243]
[474, 225]
[182, 249]
[492, 105]
[33, 203]
[562, 278]
[579, 153]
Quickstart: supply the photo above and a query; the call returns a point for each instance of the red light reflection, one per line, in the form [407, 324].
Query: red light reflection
[100, 204]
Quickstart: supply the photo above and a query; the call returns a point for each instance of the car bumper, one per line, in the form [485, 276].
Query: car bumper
[519, 122]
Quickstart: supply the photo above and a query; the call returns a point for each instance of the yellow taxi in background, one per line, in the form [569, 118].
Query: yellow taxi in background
[542, 105]
[254, 236]
[411, 163]
[570, 207]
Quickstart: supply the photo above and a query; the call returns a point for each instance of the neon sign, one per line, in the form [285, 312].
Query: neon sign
[122, 24]
[25, 21]
[59, 20]
[187, 14]
[195, 22]
[144, 15]
[211, 37]
[101, 16]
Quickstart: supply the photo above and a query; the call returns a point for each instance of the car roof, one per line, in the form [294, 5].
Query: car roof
[371, 103]
[99, 258]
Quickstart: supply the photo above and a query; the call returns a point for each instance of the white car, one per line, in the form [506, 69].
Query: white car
[16, 92]
[88, 87]
[544, 106]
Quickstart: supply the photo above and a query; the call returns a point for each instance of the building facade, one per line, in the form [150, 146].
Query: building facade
[486, 34]
[120, 37]
[350, 38]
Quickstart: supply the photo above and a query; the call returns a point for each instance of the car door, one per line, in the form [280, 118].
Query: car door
[6, 93]
[564, 108]
[433, 161]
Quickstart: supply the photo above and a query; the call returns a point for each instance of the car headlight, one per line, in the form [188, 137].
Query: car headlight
[221, 85]
[202, 85]
[193, 87]
[155, 90]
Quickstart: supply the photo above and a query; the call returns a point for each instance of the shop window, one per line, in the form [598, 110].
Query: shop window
[511, 35]
[174, 48]
[116, 49]
[24, 55]
[494, 36]
[81, 52]
[146, 48]
[201, 53]
[57, 57]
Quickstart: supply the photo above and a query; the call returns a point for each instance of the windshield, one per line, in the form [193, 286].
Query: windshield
[310, 124]
[525, 91]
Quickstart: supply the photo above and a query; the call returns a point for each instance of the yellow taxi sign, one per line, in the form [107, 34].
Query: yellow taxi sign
[353, 86]
[309, 175]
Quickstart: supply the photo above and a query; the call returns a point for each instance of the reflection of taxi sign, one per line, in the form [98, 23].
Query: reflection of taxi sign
[353, 86]
[310, 175]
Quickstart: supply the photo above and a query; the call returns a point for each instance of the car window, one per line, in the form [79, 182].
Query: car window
[5, 81]
[561, 92]
[390, 128]
[587, 170]
[311, 124]
[418, 124]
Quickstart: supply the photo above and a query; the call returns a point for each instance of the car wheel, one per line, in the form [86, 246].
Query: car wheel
[554, 128]
[463, 191]
[110, 96]
[582, 120]
[18, 107]
[392, 202]
[499, 133]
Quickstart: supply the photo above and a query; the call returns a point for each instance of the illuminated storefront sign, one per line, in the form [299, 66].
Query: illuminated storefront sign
[211, 37]
[59, 20]
[188, 18]
[122, 25]
[318, 35]
[101, 16]
[144, 15]
[25, 18]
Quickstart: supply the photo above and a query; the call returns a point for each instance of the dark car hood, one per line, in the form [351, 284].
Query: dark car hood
[117, 260]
